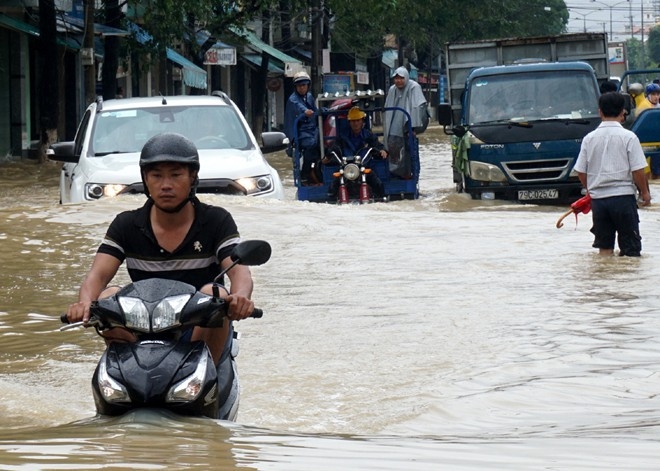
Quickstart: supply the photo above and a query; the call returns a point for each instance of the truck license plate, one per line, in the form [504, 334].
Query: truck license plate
[538, 194]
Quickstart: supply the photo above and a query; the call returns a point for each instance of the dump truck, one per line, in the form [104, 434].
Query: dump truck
[518, 110]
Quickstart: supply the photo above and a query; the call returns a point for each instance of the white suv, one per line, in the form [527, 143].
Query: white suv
[103, 159]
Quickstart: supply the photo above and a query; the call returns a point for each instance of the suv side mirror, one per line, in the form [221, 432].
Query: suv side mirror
[62, 152]
[273, 142]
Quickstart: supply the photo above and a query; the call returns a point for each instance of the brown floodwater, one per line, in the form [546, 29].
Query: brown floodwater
[428, 334]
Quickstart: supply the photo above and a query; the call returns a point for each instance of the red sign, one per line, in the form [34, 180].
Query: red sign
[224, 56]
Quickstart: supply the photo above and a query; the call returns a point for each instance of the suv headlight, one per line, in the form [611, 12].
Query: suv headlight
[256, 185]
[94, 191]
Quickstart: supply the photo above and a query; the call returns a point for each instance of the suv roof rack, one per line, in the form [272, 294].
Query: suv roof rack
[222, 95]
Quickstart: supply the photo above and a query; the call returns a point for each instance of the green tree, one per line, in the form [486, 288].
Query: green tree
[172, 21]
[438, 21]
[636, 54]
[653, 46]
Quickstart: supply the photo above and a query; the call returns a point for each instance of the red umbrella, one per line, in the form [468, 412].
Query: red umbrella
[583, 205]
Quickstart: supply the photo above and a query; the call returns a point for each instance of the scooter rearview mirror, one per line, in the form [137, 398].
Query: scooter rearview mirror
[251, 252]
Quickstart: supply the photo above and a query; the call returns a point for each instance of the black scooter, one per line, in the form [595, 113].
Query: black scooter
[161, 370]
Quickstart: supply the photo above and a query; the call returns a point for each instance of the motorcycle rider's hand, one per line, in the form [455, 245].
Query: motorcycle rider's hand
[240, 307]
[78, 312]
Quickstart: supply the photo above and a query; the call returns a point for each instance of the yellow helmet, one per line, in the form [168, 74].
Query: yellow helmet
[355, 113]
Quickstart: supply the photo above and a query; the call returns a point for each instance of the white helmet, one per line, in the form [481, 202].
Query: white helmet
[301, 78]
[636, 88]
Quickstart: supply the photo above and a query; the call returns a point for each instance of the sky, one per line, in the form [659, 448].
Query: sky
[595, 16]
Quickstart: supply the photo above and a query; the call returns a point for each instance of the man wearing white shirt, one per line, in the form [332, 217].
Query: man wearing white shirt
[611, 167]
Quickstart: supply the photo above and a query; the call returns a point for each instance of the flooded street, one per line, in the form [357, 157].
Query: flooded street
[442, 333]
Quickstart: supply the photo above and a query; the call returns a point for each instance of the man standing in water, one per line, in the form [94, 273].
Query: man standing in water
[406, 94]
[611, 167]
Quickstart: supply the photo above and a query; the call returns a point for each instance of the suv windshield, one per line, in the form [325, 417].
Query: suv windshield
[127, 130]
[533, 96]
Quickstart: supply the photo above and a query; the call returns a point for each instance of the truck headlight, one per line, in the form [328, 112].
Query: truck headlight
[486, 172]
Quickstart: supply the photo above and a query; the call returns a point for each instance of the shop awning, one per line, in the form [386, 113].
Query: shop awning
[27, 28]
[291, 65]
[255, 59]
[193, 76]
[304, 53]
[73, 24]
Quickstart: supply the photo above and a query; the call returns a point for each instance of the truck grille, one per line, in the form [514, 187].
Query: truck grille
[530, 171]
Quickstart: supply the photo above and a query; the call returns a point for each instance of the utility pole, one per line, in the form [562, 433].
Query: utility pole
[643, 48]
[317, 55]
[88, 54]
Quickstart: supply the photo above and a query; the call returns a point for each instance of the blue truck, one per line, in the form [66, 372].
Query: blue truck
[518, 110]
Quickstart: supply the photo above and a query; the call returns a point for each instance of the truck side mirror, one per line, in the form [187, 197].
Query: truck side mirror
[444, 114]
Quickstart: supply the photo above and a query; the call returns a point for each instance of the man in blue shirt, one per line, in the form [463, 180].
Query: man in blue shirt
[357, 141]
[301, 102]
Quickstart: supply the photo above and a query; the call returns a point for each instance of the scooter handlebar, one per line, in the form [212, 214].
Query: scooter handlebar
[256, 313]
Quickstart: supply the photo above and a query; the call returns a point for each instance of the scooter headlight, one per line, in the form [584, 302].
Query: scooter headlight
[111, 390]
[136, 313]
[188, 389]
[168, 311]
[165, 315]
[351, 172]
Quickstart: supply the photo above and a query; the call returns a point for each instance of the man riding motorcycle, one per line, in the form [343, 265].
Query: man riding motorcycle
[173, 236]
[357, 141]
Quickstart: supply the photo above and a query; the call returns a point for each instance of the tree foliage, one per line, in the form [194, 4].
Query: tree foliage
[171, 21]
[430, 24]
[359, 28]
[653, 45]
[637, 54]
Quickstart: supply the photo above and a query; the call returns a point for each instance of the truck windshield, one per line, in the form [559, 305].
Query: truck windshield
[533, 96]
